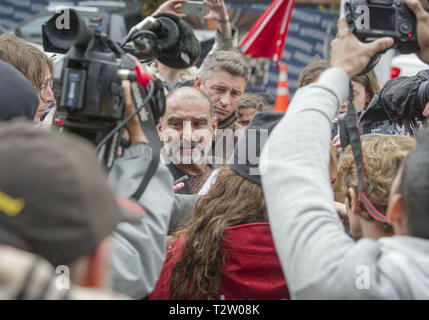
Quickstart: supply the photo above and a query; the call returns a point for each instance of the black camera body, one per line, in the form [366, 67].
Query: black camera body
[90, 86]
[87, 87]
[87, 82]
[372, 19]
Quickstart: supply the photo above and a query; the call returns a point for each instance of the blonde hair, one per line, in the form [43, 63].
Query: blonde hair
[382, 157]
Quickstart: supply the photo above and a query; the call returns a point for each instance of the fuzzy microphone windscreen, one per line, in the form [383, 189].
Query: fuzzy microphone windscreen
[188, 49]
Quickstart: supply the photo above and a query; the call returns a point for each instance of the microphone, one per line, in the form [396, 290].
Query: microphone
[176, 44]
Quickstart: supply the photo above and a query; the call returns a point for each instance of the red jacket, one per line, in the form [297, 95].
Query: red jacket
[252, 269]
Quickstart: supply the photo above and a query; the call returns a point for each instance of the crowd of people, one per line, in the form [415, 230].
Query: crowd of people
[245, 203]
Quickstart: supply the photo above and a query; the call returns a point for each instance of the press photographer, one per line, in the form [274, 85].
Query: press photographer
[401, 107]
[299, 200]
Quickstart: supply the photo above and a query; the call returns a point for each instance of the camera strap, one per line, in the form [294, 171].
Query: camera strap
[355, 141]
[147, 124]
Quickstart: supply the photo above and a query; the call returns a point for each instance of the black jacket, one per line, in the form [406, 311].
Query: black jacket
[396, 102]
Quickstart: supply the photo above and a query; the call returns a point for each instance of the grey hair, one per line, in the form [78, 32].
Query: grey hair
[228, 61]
[252, 100]
[187, 93]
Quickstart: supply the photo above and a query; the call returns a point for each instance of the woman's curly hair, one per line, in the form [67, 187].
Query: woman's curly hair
[233, 200]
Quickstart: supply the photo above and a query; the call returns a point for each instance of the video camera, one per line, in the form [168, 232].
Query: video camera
[88, 87]
[87, 84]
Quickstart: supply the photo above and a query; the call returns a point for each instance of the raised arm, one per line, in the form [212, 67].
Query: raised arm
[309, 237]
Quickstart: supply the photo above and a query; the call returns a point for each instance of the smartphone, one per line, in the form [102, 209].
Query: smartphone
[194, 8]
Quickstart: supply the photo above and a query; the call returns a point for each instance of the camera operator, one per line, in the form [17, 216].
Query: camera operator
[139, 244]
[139, 249]
[401, 107]
[299, 199]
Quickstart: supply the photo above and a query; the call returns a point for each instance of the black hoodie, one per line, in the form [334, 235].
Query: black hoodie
[18, 98]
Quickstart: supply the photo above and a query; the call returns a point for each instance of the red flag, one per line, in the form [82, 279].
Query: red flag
[266, 38]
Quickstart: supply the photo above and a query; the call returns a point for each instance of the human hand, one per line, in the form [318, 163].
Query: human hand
[336, 142]
[342, 214]
[352, 55]
[178, 186]
[134, 129]
[422, 29]
[171, 7]
[217, 10]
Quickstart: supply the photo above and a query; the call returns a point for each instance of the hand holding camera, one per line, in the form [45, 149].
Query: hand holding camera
[372, 19]
[352, 55]
[422, 29]
[133, 126]
[407, 23]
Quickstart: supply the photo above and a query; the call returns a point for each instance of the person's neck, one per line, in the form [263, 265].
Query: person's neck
[169, 74]
[191, 169]
[372, 230]
[227, 121]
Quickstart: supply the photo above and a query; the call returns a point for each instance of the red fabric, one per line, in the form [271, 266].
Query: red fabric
[267, 37]
[252, 269]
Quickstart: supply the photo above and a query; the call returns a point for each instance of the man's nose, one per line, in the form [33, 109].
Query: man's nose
[226, 99]
[187, 131]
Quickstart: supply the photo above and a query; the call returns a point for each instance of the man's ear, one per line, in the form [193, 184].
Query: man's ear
[355, 207]
[395, 210]
[198, 82]
[159, 129]
[368, 98]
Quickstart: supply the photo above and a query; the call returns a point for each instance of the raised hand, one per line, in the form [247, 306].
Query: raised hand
[422, 29]
[352, 55]
[171, 7]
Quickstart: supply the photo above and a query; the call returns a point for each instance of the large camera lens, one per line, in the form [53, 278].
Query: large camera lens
[60, 37]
